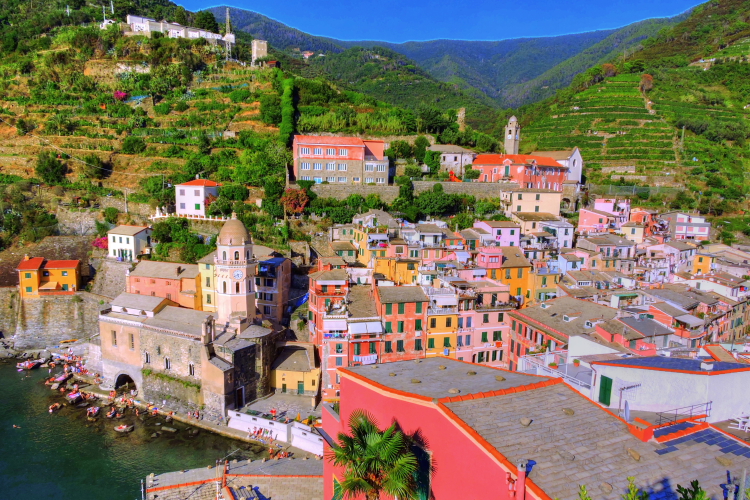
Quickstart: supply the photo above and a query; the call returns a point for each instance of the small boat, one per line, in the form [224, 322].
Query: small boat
[93, 411]
[29, 364]
[54, 407]
[111, 413]
[124, 428]
[63, 377]
[74, 397]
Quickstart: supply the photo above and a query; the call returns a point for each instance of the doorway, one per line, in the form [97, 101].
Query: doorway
[283, 387]
[300, 387]
[240, 398]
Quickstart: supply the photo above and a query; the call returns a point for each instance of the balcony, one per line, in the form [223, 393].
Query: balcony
[231, 262]
[369, 359]
[497, 306]
[436, 311]
[579, 377]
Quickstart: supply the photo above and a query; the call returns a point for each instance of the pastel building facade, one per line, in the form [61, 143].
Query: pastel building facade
[340, 160]
[127, 243]
[193, 198]
[525, 170]
[38, 277]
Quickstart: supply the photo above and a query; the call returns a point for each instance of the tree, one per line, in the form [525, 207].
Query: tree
[295, 200]
[470, 173]
[111, 214]
[270, 109]
[95, 168]
[647, 82]
[205, 20]
[400, 149]
[133, 145]
[49, 168]
[609, 70]
[375, 461]
[420, 146]
[695, 492]
[180, 16]
[234, 192]
[432, 160]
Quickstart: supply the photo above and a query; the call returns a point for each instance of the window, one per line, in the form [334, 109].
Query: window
[146, 358]
[536, 208]
[388, 327]
[355, 179]
[369, 167]
[342, 167]
[388, 346]
[318, 151]
[448, 322]
[370, 180]
[418, 325]
[131, 341]
[197, 206]
[419, 308]
[484, 337]
[331, 151]
[114, 338]
[27, 275]
[357, 349]
[317, 166]
[401, 308]
[373, 349]
[342, 152]
[208, 299]
[460, 341]
[389, 308]
[339, 361]
[381, 168]
[518, 209]
[485, 318]
[167, 364]
[400, 326]
[182, 206]
[305, 178]
[182, 192]
[494, 355]
[305, 166]
[342, 179]
[331, 166]
[468, 340]
[339, 348]
[480, 358]
[400, 345]
[430, 343]
[418, 345]
[537, 197]
[433, 322]
[304, 151]
[446, 341]
[520, 196]
[507, 274]
[501, 317]
[497, 336]
[330, 179]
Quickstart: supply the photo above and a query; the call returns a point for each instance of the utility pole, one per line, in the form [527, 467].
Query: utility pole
[228, 31]
[104, 14]
[682, 141]
[67, 9]
[112, 7]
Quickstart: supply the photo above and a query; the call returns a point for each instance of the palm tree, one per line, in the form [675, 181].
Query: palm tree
[375, 461]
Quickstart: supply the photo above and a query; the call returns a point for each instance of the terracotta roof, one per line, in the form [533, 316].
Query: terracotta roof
[61, 264]
[36, 263]
[496, 159]
[200, 182]
[127, 230]
[30, 264]
[329, 141]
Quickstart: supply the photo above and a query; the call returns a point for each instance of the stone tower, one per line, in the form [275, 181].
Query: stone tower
[512, 136]
[235, 298]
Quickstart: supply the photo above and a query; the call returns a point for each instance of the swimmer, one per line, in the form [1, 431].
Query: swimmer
[16, 426]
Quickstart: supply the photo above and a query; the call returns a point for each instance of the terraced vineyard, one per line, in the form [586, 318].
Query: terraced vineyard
[740, 48]
[614, 126]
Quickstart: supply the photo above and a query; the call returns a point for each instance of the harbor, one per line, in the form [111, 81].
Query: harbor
[64, 455]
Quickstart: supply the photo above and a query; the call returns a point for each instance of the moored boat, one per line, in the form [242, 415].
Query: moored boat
[74, 397]
[29, 364]
[124, 428]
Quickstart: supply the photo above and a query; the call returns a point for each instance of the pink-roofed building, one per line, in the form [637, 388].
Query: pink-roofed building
[607, 214]
[193, 198]
[505, 233]
[340, 160]
[525, 170]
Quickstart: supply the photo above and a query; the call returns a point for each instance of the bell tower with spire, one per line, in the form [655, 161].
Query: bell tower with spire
[512, 136]
[235, 269]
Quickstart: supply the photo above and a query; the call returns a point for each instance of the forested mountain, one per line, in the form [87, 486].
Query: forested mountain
[510, 72]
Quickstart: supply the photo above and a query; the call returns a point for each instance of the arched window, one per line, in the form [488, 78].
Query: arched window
[237, 287]
[167, 364]
[224, 256]
[236, 255]
[225, 287]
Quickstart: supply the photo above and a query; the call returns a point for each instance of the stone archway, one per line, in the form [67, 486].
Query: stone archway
[124, 382]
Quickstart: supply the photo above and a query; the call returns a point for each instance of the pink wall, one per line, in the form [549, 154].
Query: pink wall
[451, 449]
[589, 221]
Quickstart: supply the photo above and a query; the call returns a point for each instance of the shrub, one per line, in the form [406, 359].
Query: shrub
[181, 106]
[133, 145]
[111, 214]
[49, 168]
[163, 108]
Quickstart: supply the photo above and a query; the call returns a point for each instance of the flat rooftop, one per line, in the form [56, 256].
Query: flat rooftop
[676, 364]
[435, 382]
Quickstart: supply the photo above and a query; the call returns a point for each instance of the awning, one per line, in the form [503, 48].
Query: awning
[463, 256]
[365, 327]
[480, 272]
[626, 295]
[50, 285]
[357, 328]
[334, 325]
[374, 327]
[447, 300]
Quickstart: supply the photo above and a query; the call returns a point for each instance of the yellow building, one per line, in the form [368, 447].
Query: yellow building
[515, 272]
[38, 277]
[531, 200]
[400, 271]
[544, 286]
[442, 327]
[531, 222]
[294, 371]
[634, 232]
[702, 263]
[208, 282]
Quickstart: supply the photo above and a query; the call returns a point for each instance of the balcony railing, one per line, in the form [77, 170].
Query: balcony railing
[538, 364]
[497, 306]
[434, 311]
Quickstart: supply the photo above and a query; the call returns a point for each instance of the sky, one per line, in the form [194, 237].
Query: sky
[403, 20]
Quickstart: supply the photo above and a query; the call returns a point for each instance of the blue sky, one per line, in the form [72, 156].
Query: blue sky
[403, 20]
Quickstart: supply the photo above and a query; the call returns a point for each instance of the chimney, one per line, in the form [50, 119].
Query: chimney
[179, 270]
[707, 365]
[521, 479]
[26, 257]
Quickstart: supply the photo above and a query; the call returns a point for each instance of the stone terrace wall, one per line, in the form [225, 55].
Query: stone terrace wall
[481, 190]
[37, 323]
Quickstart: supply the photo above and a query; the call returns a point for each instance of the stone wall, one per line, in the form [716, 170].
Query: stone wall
[342, 191]
[622, 169]
[155, 389]
[481, 190]
[37, 323]
[142, 209]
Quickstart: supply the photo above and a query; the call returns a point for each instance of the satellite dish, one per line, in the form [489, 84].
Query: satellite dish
[627, 411]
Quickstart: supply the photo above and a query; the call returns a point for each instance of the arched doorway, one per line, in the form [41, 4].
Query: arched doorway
[124, 382]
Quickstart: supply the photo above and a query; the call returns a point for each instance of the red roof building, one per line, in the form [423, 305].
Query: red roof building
[340, 160]
[539, 172]
[38, 276]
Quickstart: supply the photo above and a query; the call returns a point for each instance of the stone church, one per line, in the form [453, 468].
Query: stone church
[194, 359]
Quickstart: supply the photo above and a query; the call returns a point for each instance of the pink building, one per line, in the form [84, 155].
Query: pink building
[193, 198]
[339, 160]
[527, 171]
[505, 233]
[607, 215]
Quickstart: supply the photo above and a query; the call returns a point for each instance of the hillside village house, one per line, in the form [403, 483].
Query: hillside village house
[684, 226]
[38, 277]
[340, 160]
[193, 198]
[534, 201]
[140, 25]
[571, 159]
[129, 242]
[453, 158]
[176, 282]
[525, 170]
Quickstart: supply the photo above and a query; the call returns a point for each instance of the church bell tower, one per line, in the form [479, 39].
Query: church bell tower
[235, 269]
[512, 136]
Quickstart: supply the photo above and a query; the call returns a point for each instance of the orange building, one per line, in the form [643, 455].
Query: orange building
[38, 276]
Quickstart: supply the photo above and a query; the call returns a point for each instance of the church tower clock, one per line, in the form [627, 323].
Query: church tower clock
[235, 267]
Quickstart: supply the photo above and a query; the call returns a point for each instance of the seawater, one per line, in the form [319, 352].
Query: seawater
[63, 456]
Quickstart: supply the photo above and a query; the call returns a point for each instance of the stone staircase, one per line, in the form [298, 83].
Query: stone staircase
[110, 280]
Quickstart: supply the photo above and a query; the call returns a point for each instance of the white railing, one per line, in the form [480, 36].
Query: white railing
[538, 363]
[442, 310]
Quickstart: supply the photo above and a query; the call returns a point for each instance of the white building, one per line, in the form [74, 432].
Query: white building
[128, 242]
[570, 158]
[453, 158]
[665, 384]
[145, 26]
[562, 229]
[192, 198]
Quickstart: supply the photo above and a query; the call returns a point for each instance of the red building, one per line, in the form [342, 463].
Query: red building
[490, 434]
[339, 160]
[177, 282]
[527, 171]
[404, 313]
